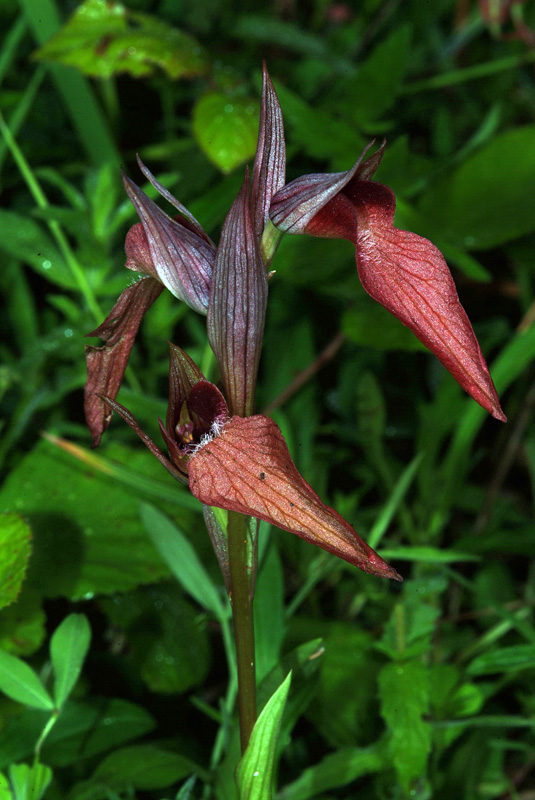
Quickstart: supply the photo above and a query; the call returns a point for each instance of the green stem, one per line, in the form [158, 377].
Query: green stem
[484, 70]
[242, 614]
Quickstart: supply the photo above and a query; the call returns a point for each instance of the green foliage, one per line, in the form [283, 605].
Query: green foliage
[15, 541]
[254, 773]
[424, 690]
[102, 39]
[20, 682]
[226, 128]
[68, 649]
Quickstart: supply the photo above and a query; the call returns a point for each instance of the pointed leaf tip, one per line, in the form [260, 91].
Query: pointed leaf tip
[247, 468]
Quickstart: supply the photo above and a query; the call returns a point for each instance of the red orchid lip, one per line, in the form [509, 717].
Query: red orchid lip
[247, 468]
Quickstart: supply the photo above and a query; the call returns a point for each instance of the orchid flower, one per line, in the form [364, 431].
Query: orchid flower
[404, 272]
[230, 458]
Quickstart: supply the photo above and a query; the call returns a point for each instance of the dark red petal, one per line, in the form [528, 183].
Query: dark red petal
[247, 468]
[183, 375]
[134, 424]
[179, 257]
[237, 308]
[106, 365]
[409, 276]
[137, 249]
[206, 402]
[270, 159]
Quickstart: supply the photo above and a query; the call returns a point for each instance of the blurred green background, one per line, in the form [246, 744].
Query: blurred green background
[424, 690]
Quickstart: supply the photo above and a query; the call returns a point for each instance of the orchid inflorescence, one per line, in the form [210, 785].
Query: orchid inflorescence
[231, 458]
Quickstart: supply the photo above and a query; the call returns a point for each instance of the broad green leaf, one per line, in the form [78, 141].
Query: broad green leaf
[182, 560]
[504, 659]
[68, 649]
[82, 730]
[141, 767]
[374, 88]
[484, 202]
[254, 773]
[412, 622]
[15, 538]
[21, 683]
[370, 325]
[87, 535]
[343, 705]
[404, 696]
[320, 134]
[29, 783]
[226, 128]
[167, 638]
[336, 770]
[269, 613]
[26, 240]
[103, 38]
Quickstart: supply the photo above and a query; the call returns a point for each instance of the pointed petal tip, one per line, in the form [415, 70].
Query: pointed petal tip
[498, 414]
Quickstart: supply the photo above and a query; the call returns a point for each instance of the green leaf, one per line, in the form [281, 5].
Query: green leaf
[337, 769]
[504, 659]
[404, 695]
[345, 698]
[182, 560]
[483, 203]
[68, 649]
[21, 683]
[29, 783]
[82, 730]
[226, 128]
[141, 767]
[411, 625]
[374, 88]
[15, 538]
[320, 134]
[103, 38]
[22, 624]
[87, 534]
[254, 773]
[26, 241]
[167, 637]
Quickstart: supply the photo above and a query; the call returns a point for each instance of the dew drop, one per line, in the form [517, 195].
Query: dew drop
[47, 264]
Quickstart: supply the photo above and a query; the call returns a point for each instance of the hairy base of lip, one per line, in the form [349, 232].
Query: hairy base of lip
[217, 429]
